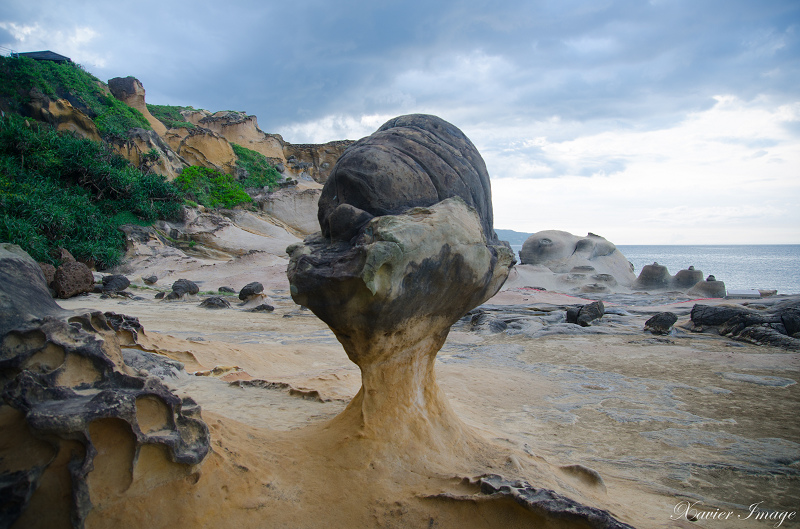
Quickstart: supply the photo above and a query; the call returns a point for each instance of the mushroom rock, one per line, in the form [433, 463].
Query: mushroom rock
[654, 276]
[686, 279]
[406, 249]
[710, 288]
[77, 422]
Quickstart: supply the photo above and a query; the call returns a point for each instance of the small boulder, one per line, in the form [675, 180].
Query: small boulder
[215, 302]
[264, 307]
[115, 283]
[572, 314]
[160, 295]
[588, 313]
[150, 280]
[182, 287]
[229, 290]
[72, 278]
[250, 290]
[661, 323]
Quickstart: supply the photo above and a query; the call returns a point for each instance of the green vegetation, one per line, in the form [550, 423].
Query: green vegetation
[170, 116]
[211, 188]
[57, 190]
[260, 172]
[70, 81]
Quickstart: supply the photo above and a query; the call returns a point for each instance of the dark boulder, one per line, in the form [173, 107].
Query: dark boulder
[72, 278]
[227, 290]
[589, 313]
[215, 302]
[115, 283]
[264, 307]
[250, 290]
[160, 295]
[182, 287]
[661, 323]
[585, 314]
[763, 327]
[150, 280]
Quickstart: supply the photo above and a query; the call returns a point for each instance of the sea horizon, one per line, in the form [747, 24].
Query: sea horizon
[740, 266]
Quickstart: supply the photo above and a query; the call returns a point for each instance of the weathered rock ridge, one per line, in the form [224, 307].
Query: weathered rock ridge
[79, 425]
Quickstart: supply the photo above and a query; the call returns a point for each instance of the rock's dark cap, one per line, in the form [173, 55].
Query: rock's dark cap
[410, 161]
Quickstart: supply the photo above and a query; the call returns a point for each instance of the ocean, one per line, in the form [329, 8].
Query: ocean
[764, 266]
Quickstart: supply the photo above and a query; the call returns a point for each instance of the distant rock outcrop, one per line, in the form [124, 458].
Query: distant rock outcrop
[61, 114]
[657, 277]
[130, 91]
[576, 264]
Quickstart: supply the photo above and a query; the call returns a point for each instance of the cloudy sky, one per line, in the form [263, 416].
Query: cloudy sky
[647, 122]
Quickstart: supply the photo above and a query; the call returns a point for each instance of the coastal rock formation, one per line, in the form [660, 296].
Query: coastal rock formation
[130, 91]
[250, 290]
[778, 325]
[78, 424]
[710, 288]
[563, 261]
[396, 265]
[405, 251]
[296, 208]
[142, 143]
[657, 277]
[61, 114]
[202, 147]
[586, 314]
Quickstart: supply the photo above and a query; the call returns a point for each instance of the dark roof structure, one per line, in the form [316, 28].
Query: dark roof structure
[46, 55]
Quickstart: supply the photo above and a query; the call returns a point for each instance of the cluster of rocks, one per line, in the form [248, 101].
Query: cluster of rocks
[69, 396]
[251, 296]
[778, 325]
[72, 278]
[657, 277]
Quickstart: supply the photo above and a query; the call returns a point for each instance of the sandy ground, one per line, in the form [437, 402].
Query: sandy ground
[664, 420]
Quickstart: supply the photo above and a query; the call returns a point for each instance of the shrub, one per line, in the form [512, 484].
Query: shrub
[211, 188]
[260, 172]
[60, 190]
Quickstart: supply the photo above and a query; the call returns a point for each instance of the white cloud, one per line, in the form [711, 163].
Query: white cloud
[731, 172]
[75, 42]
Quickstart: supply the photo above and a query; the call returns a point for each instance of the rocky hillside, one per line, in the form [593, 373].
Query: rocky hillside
[216, 159]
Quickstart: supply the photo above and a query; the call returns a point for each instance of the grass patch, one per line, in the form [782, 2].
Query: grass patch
[211, 188]
[171, 116]
[71, 82]
[260, 172]
[58, 190]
